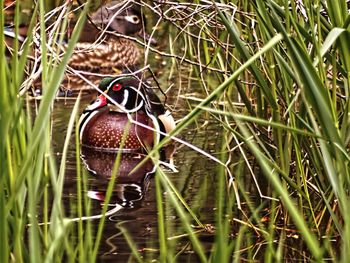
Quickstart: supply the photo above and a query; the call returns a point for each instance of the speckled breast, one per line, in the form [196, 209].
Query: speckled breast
[105, 130]
[101, 57]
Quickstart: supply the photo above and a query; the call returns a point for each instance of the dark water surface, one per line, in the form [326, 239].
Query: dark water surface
[195, 180]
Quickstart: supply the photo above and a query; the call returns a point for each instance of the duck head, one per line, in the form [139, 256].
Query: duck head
[122, 18]
[123, 90]
[129, 94]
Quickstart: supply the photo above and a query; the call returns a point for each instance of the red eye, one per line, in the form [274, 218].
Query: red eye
[117, 87]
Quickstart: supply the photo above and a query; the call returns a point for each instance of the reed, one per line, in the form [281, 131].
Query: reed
[289, 65]
[273, 74]
[34, 228]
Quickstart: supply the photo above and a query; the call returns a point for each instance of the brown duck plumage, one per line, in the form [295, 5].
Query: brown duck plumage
[123, 108]
[100, 51]
[105, 130]
[103, 57]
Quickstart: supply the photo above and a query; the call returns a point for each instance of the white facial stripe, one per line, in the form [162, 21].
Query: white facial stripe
[126, 97]
[116, 80]
[132, 19]
[92, 114]
[125, 110]
[139, 93]
[139, 106]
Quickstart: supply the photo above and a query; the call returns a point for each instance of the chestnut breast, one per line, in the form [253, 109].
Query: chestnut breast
[105, 131]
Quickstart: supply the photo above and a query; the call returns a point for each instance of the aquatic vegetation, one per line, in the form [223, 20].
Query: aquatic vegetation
[271, 76]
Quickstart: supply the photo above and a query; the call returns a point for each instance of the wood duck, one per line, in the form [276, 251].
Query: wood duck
[108, 50]
[101, 51]
[126, 106]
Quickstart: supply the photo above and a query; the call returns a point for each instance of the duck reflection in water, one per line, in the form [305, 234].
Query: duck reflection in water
[131, 184]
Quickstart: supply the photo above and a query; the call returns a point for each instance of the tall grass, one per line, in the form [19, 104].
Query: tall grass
[273, 74]
[33, 226]
[289, 64]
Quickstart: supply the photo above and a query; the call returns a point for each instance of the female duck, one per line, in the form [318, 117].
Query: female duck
[101, 51]
[126, 108]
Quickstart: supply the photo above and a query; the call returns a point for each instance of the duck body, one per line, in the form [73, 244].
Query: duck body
[124, 109]
[101, 50]
[105, 131]
[104, 46]
[105, 57]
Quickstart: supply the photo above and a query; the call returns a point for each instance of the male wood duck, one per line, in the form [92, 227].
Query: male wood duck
[126, 106]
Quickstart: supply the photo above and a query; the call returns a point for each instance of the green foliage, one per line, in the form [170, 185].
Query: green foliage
[29, 175]
[274, 74]
[289, 64]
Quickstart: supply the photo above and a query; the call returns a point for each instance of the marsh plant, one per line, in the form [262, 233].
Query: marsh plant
[275, 75]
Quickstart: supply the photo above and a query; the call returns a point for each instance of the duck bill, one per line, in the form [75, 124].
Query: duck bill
[147, 37]
[100, 102]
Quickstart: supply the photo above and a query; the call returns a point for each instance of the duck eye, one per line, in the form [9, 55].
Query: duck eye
[117, 87]
[133, 19]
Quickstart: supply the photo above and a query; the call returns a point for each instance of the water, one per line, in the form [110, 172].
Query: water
[135, 196]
